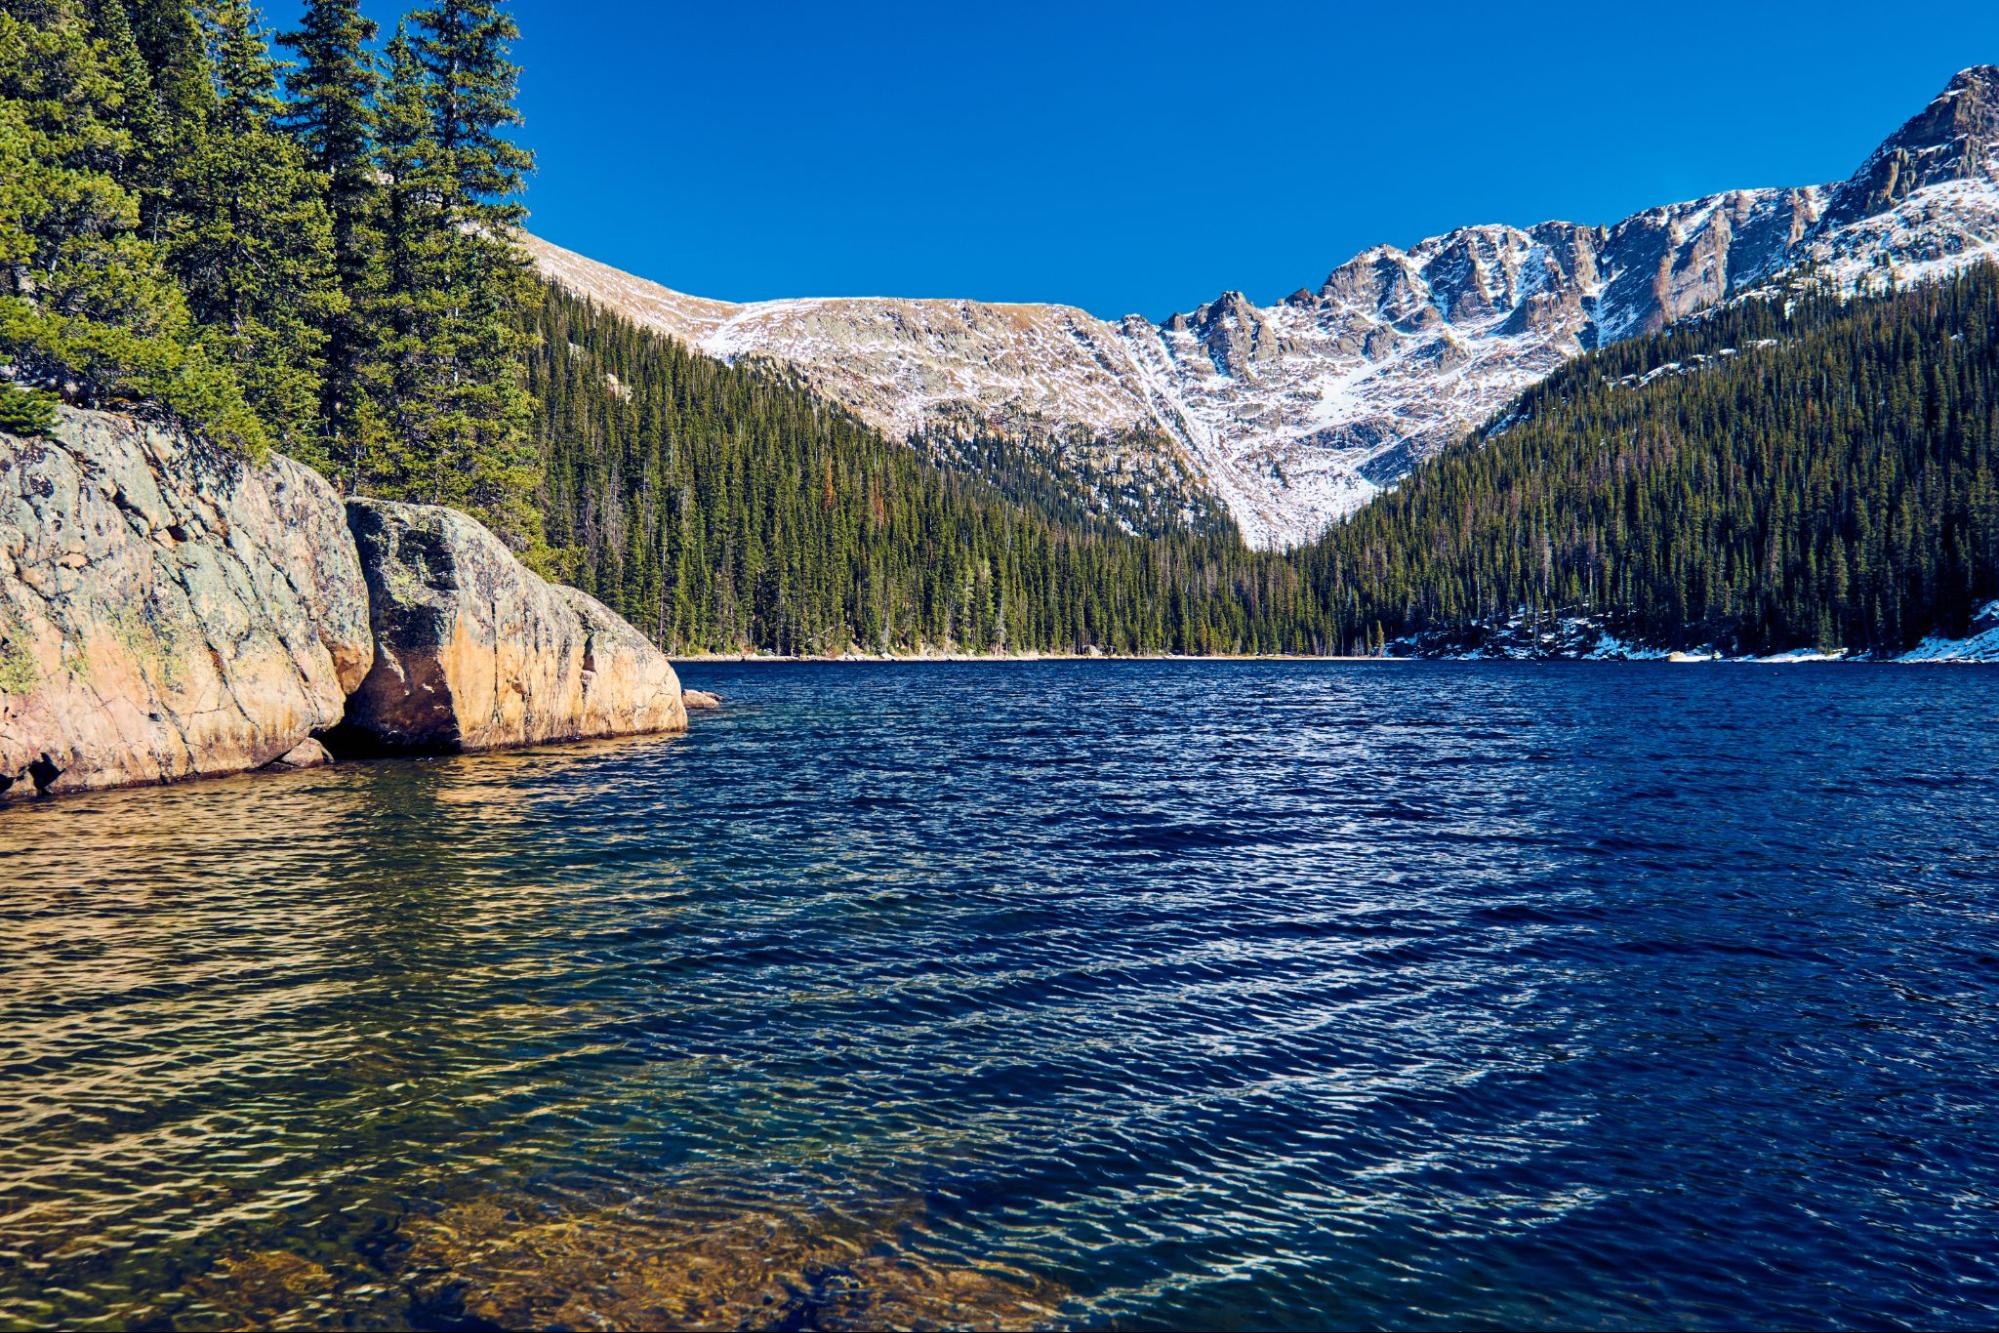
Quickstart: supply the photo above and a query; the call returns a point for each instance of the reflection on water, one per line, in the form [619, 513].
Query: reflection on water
[1138, 994]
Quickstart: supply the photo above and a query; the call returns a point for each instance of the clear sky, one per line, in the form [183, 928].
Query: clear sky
[1147, 156]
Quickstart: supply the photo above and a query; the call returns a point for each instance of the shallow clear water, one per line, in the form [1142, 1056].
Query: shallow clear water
[1129, 994]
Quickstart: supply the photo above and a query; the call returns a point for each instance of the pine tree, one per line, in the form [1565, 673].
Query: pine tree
[170, 42]
[86, 304]
[139, 112]
[26, 411]
[409, 309]
[333, 114]
[459, 289]
[463, 46]
[250, 240]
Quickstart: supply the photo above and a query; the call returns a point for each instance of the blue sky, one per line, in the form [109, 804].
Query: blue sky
[1145, 157]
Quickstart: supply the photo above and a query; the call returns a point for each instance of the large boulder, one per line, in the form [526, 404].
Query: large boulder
[167, 609]
[474, 651]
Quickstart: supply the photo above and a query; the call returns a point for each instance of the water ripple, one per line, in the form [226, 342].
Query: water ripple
[1137, 995]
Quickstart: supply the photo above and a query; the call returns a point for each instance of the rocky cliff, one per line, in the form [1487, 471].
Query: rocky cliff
[473, 652]
[168, 611]
[1295, 413]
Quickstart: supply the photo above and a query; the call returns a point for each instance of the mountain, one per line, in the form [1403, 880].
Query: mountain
[1295, 414]
[1801, 472]
[1057, 385]
[723, 509]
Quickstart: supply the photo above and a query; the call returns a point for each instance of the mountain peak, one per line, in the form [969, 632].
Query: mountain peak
[1983, 78]
[1294, 414]
[1955, 137]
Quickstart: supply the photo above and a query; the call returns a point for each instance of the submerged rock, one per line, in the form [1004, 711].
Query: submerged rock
[506, 1263]
[308, 753]
[474, 651]
[699, 699]
[267, 1288]
[167, 610]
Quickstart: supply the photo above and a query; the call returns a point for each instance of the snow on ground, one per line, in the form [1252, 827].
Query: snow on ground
[1526, 637]
[1981, 645]
[1803, 655]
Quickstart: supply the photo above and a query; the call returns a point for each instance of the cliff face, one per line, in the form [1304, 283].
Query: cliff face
[170, 611]
[472, 651]
[166, 610]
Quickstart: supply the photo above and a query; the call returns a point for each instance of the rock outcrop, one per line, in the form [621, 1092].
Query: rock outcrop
[308, 753]
[700, 699]
[167, 610]
[473, 651]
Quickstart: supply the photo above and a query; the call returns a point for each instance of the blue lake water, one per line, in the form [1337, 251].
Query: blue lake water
[1134, 995]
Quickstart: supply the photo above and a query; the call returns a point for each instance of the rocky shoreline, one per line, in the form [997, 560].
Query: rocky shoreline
[171, 611]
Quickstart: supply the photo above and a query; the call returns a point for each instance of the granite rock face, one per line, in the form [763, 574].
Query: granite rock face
[474, 651]
[167, 610]
[308, 753]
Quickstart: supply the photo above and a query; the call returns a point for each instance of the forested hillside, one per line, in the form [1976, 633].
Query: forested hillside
[1778, 474]
[719, 509]
[1804, 472]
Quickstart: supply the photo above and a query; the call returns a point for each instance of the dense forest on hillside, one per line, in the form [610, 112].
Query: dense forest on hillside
[720, 509]
[1806, 471]
[1798, 472]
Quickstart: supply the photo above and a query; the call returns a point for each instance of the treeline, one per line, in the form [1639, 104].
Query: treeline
[312, 254]
[1804, 472]
[718, 508]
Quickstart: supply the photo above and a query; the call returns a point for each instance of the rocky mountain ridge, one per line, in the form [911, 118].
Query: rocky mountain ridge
[1294, 414]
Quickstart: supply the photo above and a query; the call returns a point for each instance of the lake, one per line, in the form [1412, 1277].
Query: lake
[1130, 994]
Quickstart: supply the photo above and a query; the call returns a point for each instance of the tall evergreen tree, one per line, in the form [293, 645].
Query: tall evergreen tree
[250, 240]
[139, 112]
[459, 291]
[333, 114]
[463, 46]
[411, 301]
[168, 35]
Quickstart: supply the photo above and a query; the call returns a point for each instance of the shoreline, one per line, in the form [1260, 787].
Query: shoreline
[998, 659]
[944, 659]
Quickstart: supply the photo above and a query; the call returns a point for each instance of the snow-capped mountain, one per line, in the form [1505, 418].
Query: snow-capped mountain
[1059, 386]
[1294, 414]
